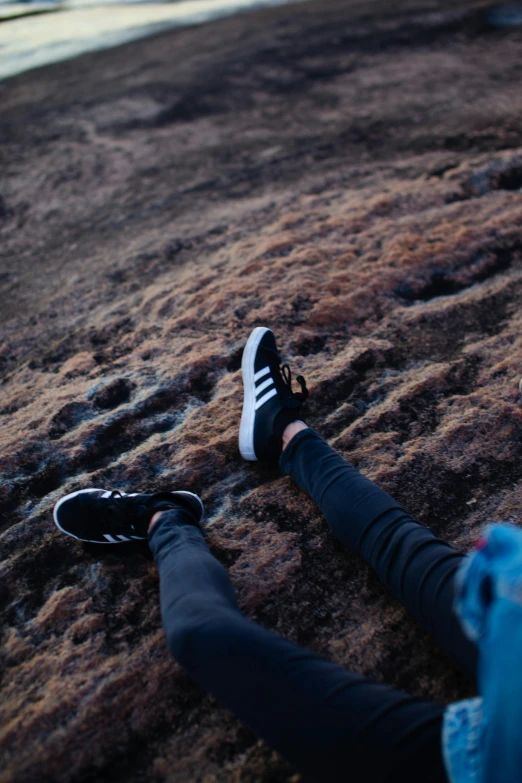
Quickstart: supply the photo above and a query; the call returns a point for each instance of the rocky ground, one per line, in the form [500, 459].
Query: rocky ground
[349, 177]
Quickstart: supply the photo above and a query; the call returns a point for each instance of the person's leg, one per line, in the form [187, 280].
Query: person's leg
[331, 724]
[416, 566]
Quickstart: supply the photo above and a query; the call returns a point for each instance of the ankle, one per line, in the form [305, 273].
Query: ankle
[154, 520]
[291, 431]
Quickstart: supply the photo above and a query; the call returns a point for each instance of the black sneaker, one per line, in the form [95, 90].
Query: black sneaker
[102, 516]
[269, 403]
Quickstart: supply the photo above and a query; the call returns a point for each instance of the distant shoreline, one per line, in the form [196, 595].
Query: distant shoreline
[10, 11]
[30, 38]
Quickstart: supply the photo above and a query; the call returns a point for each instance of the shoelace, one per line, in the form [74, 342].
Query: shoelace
[124, 507]
[286, 374]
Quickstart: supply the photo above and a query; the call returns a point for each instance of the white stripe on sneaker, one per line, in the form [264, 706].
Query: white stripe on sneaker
[264, 385]
[248, 361]
[261, 373]
[123, 538]
[265, 398]
[110, 539]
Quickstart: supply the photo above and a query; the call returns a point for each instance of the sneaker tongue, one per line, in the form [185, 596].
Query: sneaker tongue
[289, 413]
[292, 402]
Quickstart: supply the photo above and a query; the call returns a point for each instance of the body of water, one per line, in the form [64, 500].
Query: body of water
[39, 33]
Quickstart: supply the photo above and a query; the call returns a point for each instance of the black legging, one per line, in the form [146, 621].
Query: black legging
[330, 723]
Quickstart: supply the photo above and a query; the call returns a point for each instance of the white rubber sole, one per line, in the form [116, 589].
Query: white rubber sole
[126, 494]
[246, 428]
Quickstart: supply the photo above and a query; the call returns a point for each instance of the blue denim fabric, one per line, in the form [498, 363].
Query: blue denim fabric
[481, 737]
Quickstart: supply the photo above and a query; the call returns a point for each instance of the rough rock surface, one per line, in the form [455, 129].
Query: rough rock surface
[352, 179]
